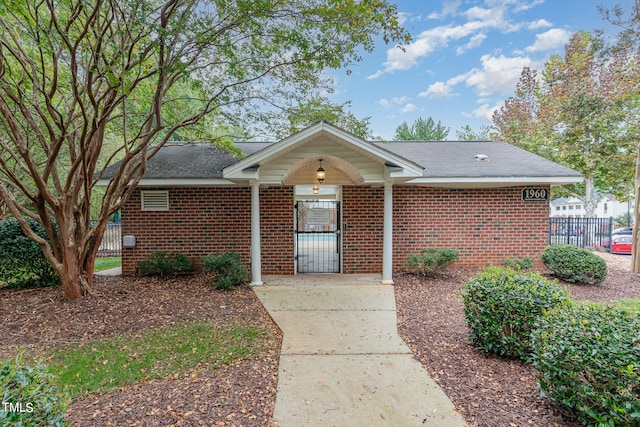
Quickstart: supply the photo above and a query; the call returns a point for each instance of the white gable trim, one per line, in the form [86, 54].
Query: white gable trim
[247, 168]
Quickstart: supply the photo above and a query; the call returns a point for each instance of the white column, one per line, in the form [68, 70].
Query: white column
[387, 240]
[256, 257]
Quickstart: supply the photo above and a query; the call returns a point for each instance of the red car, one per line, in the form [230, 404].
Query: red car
[621, 244]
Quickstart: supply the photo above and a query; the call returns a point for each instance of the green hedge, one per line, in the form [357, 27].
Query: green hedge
[502, 305]
[432, 261]
[228, 268]
[588, 358]
[166, 264]
[574, 264]
[29, 398]
[22, 262]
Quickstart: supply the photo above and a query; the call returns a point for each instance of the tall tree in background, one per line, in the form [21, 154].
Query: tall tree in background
[421, 130]
[468, 134]
[573, 116]
[73, 71]
[625, 52]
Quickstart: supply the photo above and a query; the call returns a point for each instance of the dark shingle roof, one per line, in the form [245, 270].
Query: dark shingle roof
[458, 159]
[445, 159]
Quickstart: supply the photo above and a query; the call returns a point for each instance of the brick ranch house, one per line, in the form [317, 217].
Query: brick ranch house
[324, 200]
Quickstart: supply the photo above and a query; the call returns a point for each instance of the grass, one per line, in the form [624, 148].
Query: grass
[159, 353]
[631, 304]
[107, 263]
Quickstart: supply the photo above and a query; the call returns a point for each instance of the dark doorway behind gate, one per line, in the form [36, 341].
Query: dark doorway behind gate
[318, 236]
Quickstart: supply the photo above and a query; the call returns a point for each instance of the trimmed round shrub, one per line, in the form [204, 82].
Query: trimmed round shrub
[588, 358]
[432, 261]
[165, 264]
[502, 306]
[22, 262]
[573, 264]
[29, 398]
[228, 268]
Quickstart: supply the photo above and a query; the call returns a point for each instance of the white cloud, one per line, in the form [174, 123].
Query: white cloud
[408, 108]
[485, 111]
[498, 74]
[549, 40]
[474, 42]
[540, 23]
[384, 103]
[437, 90]
[479, 21]
[400, 99]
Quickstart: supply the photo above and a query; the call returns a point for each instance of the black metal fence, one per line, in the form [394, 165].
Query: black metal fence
[584, 232]
[111, 244]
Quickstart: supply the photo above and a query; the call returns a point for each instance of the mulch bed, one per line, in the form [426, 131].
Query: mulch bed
[242, 394]
[488, 391]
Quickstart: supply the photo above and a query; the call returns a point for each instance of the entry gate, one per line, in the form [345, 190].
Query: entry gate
[318, 236]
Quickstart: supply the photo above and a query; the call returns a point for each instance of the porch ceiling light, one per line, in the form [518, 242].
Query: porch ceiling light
[316, 189]
[320, 174]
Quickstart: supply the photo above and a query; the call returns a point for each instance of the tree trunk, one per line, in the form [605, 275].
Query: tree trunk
[590, 199]
[635, 254]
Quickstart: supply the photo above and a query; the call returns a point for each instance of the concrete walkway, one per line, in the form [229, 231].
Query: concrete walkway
[342, 361]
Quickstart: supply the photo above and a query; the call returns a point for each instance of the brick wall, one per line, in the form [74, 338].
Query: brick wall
[485, 225]
[204, 221]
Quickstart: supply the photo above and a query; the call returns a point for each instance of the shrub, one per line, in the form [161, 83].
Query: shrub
[165, 264]
[501, 307]
[432, 261]
[36, 401]
[22, 262]
[588, 358]
[229, 270]
[574, 264]
[519, 264]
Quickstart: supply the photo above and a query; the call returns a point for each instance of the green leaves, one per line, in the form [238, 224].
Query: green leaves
[502, 306]
[432, 261]
[228, 268]
[573, 264]
[588, 358]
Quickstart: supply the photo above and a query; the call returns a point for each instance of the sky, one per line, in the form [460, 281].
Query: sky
[464, 61]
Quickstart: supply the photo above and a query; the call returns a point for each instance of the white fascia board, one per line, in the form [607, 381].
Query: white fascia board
[469, 182]
[409, 168]
[176, 182]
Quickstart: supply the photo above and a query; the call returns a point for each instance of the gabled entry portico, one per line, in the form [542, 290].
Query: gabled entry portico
[347, 160]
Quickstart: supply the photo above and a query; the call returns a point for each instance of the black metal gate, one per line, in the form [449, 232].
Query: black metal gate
[318, 236]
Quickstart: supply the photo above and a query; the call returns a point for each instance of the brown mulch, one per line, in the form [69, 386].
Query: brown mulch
[487, 390]
[242, 394]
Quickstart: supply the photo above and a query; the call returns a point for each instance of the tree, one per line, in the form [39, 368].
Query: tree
[573, 116]
[468, 134]
[625, 51]
[421, 130]
[72, 72]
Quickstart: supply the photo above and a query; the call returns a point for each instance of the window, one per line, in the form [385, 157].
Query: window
[571, 207]
[154, 200]
[564, 208]
[557, 208]
[578, 206]
[605, 208]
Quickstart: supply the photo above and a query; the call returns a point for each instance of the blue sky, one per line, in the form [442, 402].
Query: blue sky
[464, 60]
